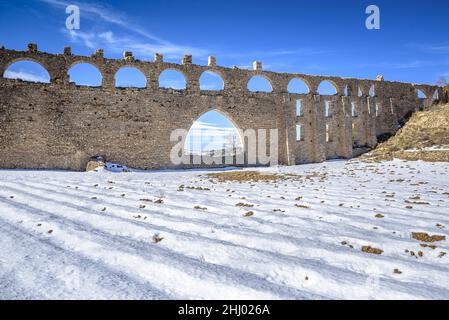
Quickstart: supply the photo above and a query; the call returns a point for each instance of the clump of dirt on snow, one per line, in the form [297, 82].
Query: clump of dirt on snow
[424, 237]
[371, 250]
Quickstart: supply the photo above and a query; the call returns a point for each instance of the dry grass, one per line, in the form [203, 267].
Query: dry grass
[424, 129]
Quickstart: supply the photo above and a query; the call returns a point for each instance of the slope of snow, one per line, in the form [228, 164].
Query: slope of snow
[103, 223]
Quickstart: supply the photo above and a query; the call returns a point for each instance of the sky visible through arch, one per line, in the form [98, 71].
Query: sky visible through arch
[324, 37]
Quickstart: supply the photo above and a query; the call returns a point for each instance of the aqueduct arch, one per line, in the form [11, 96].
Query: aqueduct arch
[61, 125]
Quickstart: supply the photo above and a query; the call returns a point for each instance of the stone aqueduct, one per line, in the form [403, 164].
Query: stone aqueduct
[61, 125]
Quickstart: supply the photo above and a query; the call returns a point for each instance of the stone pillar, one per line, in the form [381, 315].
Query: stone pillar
[344, 129]
[318, 129]
[108, 78]
[212, 61]
[287, 139]
[257, 65]
[363, 114]
[371, 137]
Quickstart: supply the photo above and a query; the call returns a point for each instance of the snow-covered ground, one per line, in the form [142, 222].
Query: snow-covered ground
[70, 235]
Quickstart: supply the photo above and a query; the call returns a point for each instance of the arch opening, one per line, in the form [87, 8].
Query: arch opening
[130, 77]
[359, 92]
[372, 91]
[172, 79]
[421, 94]
[259, 84]
[211, 81]
[298, 86]
[327, 88]
[213, 134]
[85, 74]
[27, 70]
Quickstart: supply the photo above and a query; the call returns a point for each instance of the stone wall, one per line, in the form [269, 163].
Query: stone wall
[61, 125]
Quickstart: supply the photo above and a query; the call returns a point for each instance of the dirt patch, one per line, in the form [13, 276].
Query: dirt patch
[424, 237]
[245, 176]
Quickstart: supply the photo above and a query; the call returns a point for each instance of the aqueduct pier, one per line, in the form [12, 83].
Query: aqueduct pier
[62, 125]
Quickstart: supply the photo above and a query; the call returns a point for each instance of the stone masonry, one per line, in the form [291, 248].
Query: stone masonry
[61, 126]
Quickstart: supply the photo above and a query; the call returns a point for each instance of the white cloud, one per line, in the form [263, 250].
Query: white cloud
[117, 44]
[438, 48]
[406, 65]
[142, 43]
[26, 76]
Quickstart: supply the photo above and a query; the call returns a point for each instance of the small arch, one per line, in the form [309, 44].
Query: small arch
[299, 111]
[298, 86]
[327, 88]
[172, 79]
[260, 84]
[354, 112]
[299, 132]
[420, 94]
[372, 91]
[211, 81]
[346, 91]
[327, 109]
[211, 133]
[85, 74]
[328, 133]
[359, 92]
[436, 95]
[130, 77]
[27, 70]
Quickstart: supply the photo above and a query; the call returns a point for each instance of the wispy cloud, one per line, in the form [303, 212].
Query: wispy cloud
[117, 44]
[277, 53]
[405, 65]
[137, 39]
[436, 48]
[26, 76]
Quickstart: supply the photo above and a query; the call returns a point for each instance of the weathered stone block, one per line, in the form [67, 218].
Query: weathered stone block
[158, 57]
[187, 59]
[257, 65]
[212, 61]
[68, 51]
[32, 47]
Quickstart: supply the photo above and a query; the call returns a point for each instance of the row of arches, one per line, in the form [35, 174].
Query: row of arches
[85, 74]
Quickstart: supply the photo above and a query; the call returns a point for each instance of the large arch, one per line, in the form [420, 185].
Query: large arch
[327, 88]
[85, 74]
[172, 79]
[211, 81]
[130, 77]
[213, 130]
[298, 86]
[27, 70]
[259, 83]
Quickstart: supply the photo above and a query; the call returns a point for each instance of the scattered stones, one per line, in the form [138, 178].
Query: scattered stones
[379, 216]
[157, 238]
[248, 214]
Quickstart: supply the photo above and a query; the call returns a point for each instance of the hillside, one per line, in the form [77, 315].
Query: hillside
[424, 137]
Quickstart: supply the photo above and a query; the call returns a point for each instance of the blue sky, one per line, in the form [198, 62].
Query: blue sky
[312, 37]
